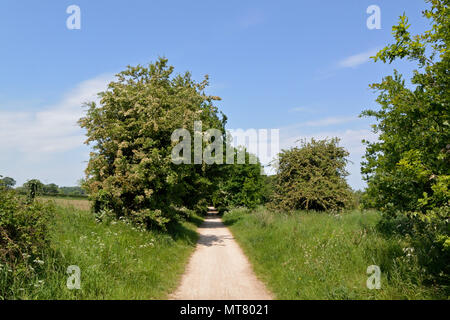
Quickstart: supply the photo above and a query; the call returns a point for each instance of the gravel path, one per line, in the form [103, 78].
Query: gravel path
[218, 269]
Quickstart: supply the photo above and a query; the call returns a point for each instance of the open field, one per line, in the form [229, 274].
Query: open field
[320, 256]
[117, 260]
[81, 204]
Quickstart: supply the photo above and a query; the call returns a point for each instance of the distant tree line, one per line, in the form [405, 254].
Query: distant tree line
[37, 187]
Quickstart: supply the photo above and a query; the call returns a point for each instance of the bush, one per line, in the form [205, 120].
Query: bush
[430, 238]
[312, 177]
[24, 230]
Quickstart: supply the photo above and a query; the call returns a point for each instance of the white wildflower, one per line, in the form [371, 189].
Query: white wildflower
[39, 262]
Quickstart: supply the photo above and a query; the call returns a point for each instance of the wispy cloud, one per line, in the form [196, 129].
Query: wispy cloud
[53, 128]
[329, 121]
[324, 122]
[357, 59]
[300, 109]
[352, 61]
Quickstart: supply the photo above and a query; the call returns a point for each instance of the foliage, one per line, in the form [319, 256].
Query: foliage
[240, 185]
[408, 168]
[358, 196]
[34, 187]
[24, 238]
[50, 189]
[268, 188]
[71, 191]
[312, 177]
[7, 182]
[130, 170]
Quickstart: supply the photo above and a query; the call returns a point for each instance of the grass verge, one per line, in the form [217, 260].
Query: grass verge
[117, 260]
[307, 255]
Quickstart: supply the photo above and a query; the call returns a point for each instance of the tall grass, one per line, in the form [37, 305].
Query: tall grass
[307, 255]
[82, 204]
[117, 260]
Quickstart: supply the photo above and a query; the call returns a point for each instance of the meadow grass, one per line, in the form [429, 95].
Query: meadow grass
[309, 255]
[117, 260]
[67, 202]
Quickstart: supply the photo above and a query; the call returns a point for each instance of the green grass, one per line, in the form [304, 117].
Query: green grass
[307, 255]
[117, 260]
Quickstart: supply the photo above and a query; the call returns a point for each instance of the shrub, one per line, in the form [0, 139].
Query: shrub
[312, 177]
[24, 238]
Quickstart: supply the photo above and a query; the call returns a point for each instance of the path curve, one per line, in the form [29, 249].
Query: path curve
[218, 269]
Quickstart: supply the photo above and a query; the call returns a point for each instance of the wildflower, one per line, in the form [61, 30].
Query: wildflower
[25, 255]
[408, 251]
[39, 262]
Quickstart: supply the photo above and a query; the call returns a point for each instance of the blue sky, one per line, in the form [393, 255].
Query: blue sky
[300, 66]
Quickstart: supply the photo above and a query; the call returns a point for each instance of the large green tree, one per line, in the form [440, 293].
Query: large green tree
[130, 171]
[407, 169]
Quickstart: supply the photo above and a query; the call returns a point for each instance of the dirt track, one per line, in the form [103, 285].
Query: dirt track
[218, 269]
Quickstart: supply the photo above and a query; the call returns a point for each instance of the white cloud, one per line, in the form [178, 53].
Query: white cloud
[357, 59]
[329, 121]
[350, 138]
[51, 129]
[324, 122]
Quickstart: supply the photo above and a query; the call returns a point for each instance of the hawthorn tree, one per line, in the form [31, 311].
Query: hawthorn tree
[312, 177]
[130, 172]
